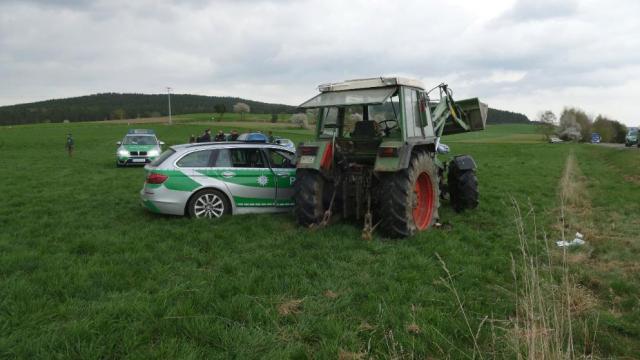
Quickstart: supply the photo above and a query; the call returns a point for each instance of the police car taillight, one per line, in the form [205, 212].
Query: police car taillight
[156, 178]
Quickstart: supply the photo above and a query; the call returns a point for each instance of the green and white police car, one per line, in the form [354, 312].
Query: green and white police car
[210, 180]
[139, 147]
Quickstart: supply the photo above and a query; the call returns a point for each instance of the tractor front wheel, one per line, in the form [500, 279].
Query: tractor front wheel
[463, 188]
[409, 198]
[311, 193]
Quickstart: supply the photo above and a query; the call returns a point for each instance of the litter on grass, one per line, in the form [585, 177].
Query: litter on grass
[575, 242]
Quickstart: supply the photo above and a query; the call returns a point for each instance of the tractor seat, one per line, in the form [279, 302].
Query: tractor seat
[364, 129]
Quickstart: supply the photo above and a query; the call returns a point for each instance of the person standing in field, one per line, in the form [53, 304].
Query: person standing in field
[220, 136]
[207, 136]
[69, 145]
[272, 139]
[234, 135]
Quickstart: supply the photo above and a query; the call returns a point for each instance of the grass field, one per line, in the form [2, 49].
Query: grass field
[86, 273]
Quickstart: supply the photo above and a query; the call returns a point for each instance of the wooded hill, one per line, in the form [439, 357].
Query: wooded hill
[109, 106]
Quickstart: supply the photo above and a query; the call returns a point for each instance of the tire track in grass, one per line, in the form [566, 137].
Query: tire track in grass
[608, 263]
[554, 318]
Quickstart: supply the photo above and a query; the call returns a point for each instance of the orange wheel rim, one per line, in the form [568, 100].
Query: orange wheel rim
[423, 209]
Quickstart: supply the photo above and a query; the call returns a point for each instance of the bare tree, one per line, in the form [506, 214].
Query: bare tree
[546, 123]
[241, 108]
[300, 120]
[220, 109]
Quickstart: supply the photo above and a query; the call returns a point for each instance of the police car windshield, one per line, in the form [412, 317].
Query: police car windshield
[139, 140]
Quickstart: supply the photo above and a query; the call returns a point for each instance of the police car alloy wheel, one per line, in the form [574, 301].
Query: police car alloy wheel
[209, 204]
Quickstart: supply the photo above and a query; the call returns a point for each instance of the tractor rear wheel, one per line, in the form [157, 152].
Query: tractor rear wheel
[409, 198]
[311, 193]
[463, 188]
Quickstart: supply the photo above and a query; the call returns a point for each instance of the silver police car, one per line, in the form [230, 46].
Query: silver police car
[209, 180]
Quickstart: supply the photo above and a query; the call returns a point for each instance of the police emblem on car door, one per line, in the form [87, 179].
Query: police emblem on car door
[250, 180]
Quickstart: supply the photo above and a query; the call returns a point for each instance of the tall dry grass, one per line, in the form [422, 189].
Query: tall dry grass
[553, 318]
[552, 310]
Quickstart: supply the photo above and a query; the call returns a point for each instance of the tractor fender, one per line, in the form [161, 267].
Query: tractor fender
[404, 152]
[464, 162]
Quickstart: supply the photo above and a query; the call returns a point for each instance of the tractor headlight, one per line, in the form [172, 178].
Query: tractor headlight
[123, 152]
[153, 152]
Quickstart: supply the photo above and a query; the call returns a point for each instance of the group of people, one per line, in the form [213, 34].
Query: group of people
[221, 136]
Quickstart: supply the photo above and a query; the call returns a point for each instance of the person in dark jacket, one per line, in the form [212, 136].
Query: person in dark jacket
[206, 137]
[234, 135]
[70, 144]
[220, 136]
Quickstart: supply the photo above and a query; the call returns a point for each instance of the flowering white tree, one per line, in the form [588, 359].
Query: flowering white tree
[241, 108]
[300, 119]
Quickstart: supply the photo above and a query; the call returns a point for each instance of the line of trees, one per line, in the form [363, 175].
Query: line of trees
[111, 106]
[575, 125]
[495, 117]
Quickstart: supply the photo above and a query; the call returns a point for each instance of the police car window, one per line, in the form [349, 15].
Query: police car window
[247, 158]
[196, 159]
[281, 159]
[222, 158]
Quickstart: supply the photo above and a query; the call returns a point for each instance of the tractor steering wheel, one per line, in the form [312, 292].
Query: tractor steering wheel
[387, 128]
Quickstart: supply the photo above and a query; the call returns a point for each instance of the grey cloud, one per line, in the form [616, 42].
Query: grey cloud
[280, 50]
[533, 10]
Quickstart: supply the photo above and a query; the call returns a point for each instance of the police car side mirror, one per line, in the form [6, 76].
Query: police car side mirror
[161, 143]
[119, 143]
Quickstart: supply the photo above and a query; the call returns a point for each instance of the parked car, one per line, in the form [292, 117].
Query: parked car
[215, 179]
[138, 147]
[555, 140]
[253, 137]
[286, 143]
[632, 137]
[595, 138]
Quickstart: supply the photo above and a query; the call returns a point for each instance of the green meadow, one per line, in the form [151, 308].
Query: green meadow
[87, 273]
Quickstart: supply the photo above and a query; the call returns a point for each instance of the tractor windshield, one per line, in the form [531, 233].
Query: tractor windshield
[362, 120]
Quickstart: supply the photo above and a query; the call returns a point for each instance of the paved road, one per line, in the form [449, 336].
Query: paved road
[617, 146]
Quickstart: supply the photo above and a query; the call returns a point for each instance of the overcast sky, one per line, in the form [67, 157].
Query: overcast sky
[519, 55]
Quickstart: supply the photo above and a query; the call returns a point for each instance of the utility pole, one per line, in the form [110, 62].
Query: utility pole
[169, 97]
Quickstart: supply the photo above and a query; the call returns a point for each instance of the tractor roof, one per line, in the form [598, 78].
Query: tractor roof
[369, 83]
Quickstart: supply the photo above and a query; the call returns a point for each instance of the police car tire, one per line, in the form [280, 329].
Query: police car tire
[225, 202]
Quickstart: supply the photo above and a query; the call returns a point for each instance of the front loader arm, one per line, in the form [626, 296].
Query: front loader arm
[451, 117]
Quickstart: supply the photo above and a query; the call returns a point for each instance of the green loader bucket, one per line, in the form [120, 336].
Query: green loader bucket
[474, 114]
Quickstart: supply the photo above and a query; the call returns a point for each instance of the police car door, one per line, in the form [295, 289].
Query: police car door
[253, 183]
[284, 168]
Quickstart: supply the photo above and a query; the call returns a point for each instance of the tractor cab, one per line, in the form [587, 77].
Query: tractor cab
[359, 115]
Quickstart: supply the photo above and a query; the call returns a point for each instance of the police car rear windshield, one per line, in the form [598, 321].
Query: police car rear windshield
[164, 156]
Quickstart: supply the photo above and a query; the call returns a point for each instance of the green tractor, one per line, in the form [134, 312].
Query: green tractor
[374, 158]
